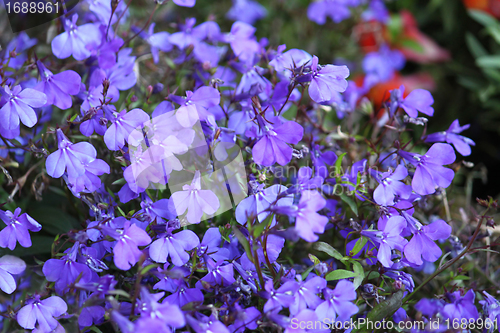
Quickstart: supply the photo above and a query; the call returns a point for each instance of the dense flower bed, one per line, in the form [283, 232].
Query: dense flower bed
[221, 184]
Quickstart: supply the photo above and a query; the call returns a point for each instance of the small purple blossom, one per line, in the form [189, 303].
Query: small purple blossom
[41, 312]
[451, 135]
[19, 106]
[17, 229]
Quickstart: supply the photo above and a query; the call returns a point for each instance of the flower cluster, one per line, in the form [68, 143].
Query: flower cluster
[224, 184]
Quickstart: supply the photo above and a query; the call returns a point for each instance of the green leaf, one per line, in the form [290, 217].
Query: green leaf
[148, 268]
[461, 277]
[350, 202]
[482, 17]
[490, 61]
[95, 329]
[328, 249]
[360, 274]
[41, 245]
[339, 274]
[383, 310]
[338, 164]
[243, 241]
[358, 246]
[412, 45]
[258, 229]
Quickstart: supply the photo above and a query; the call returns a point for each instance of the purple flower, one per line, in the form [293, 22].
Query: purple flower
[337, 10]
[161, 316]
[461, 143]
[185, 3]
[388, 239]
[422, 244]
[66, 270]
[306, 294]
[19, 106]
[174, 246]
[17, 229]
[218, 275]
[245, 318]
[273, 145]
[258, 204]
[195, 200]
[380, 66]
[281, 297]
[76, 40]
[10, 265]
[123, 124]
[158, 41]
[308, 222]
[417, 100]
[307, 321]
[202, 99]
[285, 62]
[126, 251]
[69, 157]
[247, 11]
[58, 88]
[90, 180]
[430, 172]
[338, 302]
[41, 312]
[184, 295]
[242, 41]
[491, 308]
[391, 185]
[326, 80]
[462, 307]
[204, 324]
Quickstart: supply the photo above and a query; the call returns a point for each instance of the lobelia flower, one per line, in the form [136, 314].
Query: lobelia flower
[258, 204]
[185, 3]
[305, 296]
[162, 316]
[121, 76]
[388, 239]
[41, 312]
[76, 40]
[246, 318]
[184, 295]
[308, 223]
[90, 180]
[218, 275]
[462, 307]
[422, 244]
[381, 65]
[337, 10]
[202, 99]
[391, 185]
[285, 62]
[247, 11]
[451, 136]
[273, 146]
[491, 308]
[19, 106]
[69, 157]
[126, 251]
[17, 229]
[158, 41]
[10, 265]
[417, 100]
[123, 124]
[326, 80]
[58, 88]
[281, 297]
[338, 302]
[429, 172]
[195, 200]
[210, 246]
[242, 41]
[66, 270]
[204, 324]
[174, 246]
[321, 161]
[306, 321]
